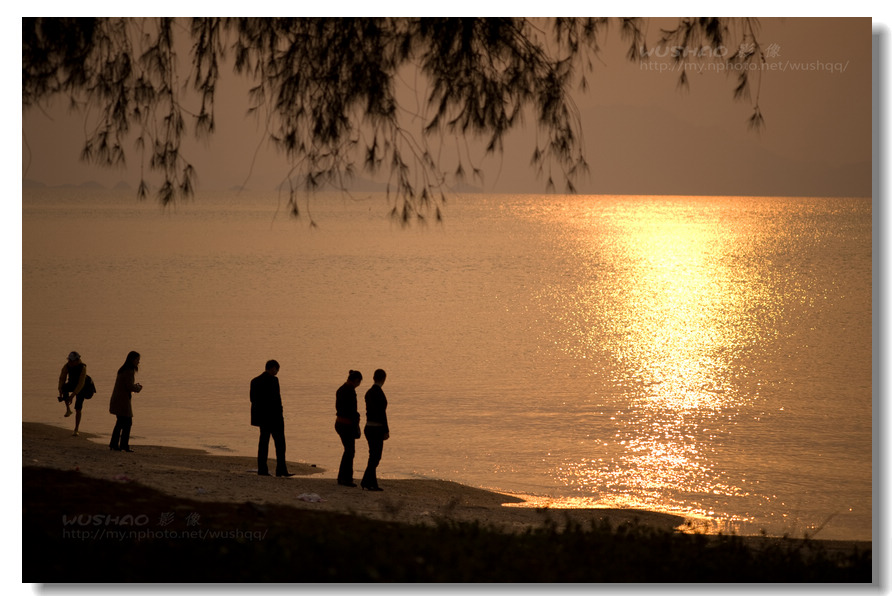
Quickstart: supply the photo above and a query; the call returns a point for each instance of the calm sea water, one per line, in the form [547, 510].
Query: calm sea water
[709, 356]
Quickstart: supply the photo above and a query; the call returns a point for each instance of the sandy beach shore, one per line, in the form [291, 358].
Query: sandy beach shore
[164, 514]
[199, 476]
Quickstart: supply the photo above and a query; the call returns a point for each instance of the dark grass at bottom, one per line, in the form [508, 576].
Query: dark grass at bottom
[79, 529]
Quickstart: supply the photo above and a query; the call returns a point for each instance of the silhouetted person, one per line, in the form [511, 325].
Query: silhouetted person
[267, 413]
[72, 386]
[120, 402]
[347, 425]
[376, 429]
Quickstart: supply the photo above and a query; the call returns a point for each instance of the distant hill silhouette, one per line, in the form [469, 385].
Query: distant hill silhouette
[29, 183]
[357, 184]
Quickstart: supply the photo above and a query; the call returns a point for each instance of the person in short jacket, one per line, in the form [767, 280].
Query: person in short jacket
[119, 404]
[267, 413]
[376, 429]
[347, 425]
[71, 385]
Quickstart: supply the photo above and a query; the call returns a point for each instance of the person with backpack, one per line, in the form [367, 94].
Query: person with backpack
[119, 405]
[75, 384]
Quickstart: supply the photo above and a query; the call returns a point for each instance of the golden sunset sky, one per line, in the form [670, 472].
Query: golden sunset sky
[642, 134]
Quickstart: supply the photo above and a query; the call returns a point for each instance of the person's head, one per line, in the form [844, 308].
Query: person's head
[132, 362]
[272, 367]
[379, 376]
[354, 377]
[73, 358]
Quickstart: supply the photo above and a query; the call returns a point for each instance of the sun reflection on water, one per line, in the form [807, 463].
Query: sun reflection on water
[667, 311]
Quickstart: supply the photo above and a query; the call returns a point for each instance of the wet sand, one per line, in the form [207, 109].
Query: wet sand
[199, 476]
[180, 512]
[196, 475]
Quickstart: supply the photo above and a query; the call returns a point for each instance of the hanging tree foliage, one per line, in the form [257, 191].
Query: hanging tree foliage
[326, 89]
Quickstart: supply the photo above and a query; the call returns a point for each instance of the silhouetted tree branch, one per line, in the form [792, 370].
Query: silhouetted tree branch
[326, 89]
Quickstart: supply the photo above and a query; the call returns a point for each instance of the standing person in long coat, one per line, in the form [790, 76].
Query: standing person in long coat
[119, 404]
[267, 413]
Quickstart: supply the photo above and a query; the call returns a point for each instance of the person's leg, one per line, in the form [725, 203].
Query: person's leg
[126, 424]
[369, 474]
[78, 408]
[345, 471]
[263, 451]
[115, 443]
[379, 449]
[279, 438]
[376, 446]
[67, 405]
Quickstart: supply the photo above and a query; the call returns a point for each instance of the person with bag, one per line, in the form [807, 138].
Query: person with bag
[347, 425]
[376, 429]
[119, 404]
[75, 384]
